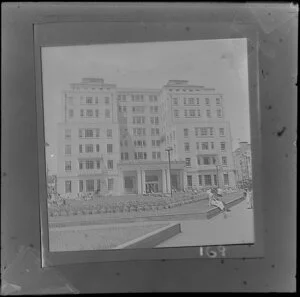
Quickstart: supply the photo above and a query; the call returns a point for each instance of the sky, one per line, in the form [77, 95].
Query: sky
[221, 64]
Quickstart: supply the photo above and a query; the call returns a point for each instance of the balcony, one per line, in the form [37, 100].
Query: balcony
[91, 172]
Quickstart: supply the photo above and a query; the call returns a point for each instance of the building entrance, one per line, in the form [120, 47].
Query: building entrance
[152, 187]
[151, 182]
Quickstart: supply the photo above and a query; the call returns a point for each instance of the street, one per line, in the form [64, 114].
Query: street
[237, 228]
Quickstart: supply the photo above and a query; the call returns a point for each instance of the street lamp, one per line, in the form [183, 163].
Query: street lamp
[169, 149]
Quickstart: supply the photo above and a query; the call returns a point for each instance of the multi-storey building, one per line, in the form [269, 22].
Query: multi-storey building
[243, 163]
[115, 139]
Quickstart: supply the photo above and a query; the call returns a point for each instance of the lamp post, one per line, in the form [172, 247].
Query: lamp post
[217, 166]
[169, 149]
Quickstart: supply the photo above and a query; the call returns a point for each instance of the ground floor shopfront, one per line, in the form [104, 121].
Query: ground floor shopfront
[146, 177]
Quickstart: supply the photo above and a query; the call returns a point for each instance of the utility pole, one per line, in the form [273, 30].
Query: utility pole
[168, 150]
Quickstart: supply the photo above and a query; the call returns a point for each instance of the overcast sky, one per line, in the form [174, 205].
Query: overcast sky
[220, 64]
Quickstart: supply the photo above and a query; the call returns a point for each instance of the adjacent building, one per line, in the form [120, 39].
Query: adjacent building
[243, 163]
[114, 139]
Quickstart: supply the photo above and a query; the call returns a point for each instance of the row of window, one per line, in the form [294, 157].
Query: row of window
[141, 156]
[90, 113]
[195, 101]
[87, 133]
[204, 146]
[137, 98]
[140, 143]
[88, 164]
[205, 161]
[92, 100]
[153, 109]
[204, 131]
[206, 180]
[90, 185]
[192, 113]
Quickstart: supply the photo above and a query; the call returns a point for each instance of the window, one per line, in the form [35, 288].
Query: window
[204, 146]
[68, 186]
[110, 164]
[219, 113]
[208, 113]
[207, 180]
[199, 113]
[197, 146]
[80, 148]
[224, 160]
[90, 185]
[189, 181]
[214, 160]
[107, 113]
[212, 145]
[81, 186]
[175, 101]
[98, 164]
[186, 132]
[218, 101]
[88, 133]
[203, 131]
[106, 100]
[207, 101]
[68, 166]
[186, 146]
[67, 133]
[184, 101]
[109, 133]
[211, 131]
[176, 113]
[200, 180]
[157, 142]
[126, 156]
[206, 161]
[97, 113]
[97, 148]
[89, 112]
[110, 183]
[98, 185]
[71, 113]
[192, 113]
[198, 101]
[89, 164]
[154, 98]
[88, 148]
[67, 149]
[157, 131]
[191, 101]
[138, 109]
[222, 146]
[80, 165]
[226, 179]
[89, 100]
[97, 132]
[199, 160]
[81, 112]
[221, 131]
[215, 180]
[109, 148]
[188, 162]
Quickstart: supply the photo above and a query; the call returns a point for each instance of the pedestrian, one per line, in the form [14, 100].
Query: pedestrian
[249, 198]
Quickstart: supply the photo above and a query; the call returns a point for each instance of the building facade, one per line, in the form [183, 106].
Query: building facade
[114, 140]
[243, 163]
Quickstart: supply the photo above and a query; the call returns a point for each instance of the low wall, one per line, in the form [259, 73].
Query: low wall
[152, 239]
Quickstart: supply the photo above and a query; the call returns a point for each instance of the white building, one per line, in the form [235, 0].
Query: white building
[243, 163]
[115, 139]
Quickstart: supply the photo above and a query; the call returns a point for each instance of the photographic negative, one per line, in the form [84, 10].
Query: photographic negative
[148, 145]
